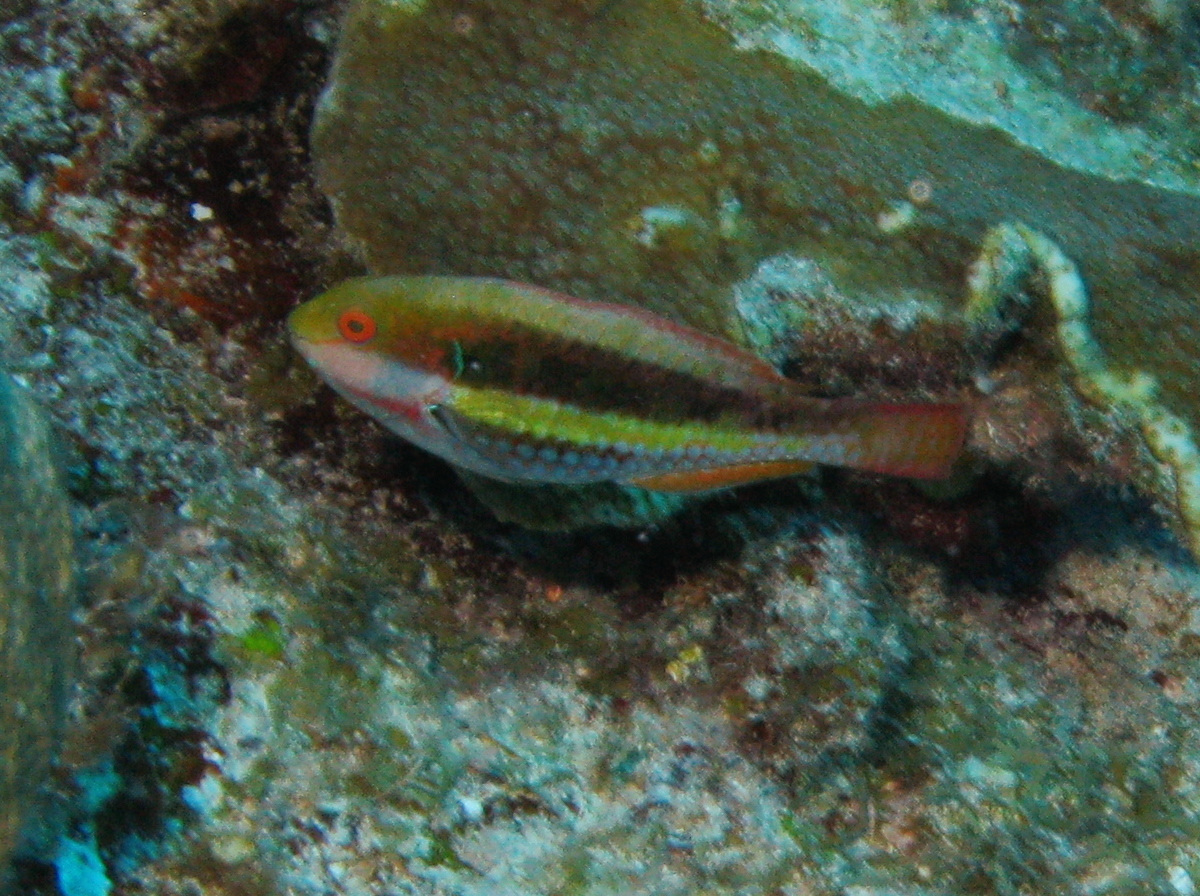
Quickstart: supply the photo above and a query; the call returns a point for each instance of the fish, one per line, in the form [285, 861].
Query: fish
[523, 384]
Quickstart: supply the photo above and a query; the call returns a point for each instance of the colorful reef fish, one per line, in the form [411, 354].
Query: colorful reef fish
[522, 384]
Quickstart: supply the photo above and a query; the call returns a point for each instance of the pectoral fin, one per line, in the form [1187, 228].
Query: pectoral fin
[472, 442]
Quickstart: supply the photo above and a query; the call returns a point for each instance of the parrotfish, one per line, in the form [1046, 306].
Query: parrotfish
[523, 384]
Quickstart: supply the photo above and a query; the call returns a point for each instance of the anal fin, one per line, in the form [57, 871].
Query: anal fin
[721, 477]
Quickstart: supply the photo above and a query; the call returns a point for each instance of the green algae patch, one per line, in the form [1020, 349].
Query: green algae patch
[442, 854]
[265, 639]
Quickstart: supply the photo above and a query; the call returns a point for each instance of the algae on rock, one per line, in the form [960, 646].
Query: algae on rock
[37, 637]
[411, 709]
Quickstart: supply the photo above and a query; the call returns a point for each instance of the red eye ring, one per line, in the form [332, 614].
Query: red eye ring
[356, 326]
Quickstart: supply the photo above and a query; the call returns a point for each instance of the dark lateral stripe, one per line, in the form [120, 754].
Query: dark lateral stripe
[539, 364]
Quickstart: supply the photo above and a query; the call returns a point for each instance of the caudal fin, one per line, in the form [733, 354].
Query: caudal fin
[918, 441]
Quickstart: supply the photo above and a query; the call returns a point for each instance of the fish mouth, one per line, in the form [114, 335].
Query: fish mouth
[338, 363]
[303, 346]
[328, 364]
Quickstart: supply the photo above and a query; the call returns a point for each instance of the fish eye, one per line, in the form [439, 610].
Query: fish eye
[356, 326]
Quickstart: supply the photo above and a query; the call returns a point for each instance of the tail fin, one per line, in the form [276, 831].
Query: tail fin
[918, 441]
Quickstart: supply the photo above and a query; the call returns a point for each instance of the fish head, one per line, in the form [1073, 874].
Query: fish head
[381, 349]
[383, 317]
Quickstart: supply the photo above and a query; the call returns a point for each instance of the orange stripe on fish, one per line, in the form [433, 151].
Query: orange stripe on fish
[523, 384]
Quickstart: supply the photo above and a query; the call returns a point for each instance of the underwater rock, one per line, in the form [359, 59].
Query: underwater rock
[412, 708]
[807, 680]
[1077, 406]
[1120, 59]
[36, 599]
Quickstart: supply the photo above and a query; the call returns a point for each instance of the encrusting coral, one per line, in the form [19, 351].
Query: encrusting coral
[1015, 252]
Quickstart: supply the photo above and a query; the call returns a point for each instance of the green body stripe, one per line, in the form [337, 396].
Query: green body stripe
[540, 418]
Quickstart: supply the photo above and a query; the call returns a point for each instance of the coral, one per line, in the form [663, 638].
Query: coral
[1011, 253]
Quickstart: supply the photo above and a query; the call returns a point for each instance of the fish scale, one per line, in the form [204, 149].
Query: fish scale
[561, 460]
[522, 384]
